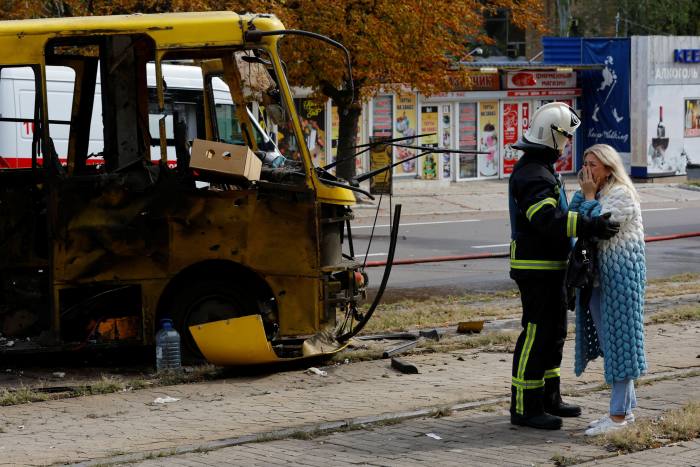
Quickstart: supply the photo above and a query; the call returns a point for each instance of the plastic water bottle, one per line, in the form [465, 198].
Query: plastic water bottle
[167, 347]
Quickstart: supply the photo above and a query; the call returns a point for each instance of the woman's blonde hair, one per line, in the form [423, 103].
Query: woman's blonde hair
[612, 160]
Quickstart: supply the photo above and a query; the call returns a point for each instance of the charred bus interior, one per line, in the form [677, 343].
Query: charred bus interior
[105, 235]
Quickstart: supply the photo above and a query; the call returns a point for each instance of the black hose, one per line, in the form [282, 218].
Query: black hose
[385, 278]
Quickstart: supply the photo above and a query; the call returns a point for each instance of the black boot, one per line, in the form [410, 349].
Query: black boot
[553, 403]
[533, 414]
[543, 421]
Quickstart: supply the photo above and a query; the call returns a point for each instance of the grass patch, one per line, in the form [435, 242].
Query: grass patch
[686, 283]
[443, 311]
[158, 454]
[492, 408]
[109, 385]
[562, 460]
[677, 425]
[22, 395]
[105, 385]
[458, 342]
[676, 315]
[187, 375]
[442, 412]
[307, 435]
[675, 279]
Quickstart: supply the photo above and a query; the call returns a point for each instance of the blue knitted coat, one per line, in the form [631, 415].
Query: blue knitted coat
[622, 279]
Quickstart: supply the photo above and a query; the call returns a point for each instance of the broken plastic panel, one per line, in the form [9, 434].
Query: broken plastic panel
[242, 341]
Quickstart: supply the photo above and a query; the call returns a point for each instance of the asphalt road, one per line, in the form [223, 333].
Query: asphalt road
[471, 233]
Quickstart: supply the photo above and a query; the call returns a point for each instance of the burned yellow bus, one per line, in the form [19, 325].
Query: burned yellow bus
[108, 229]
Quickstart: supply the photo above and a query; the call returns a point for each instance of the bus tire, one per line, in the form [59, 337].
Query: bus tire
[204, 301]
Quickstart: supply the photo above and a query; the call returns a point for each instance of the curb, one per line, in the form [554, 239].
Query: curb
[317, 429]
[370, 215]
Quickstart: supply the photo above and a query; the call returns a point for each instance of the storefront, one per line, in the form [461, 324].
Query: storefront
[644, 101]
[488, 118]
[665, 104]
[491, 120]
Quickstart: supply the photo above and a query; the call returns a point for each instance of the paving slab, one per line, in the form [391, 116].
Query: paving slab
[460, 439]
[104, 426]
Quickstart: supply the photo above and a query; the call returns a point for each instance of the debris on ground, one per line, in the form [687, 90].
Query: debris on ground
[404, 367]
[470, 327]
[59, 374]
[399, 349]
[315, 371]
[433, 435]
[165, 400]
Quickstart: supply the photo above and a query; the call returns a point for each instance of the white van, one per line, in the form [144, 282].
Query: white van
[183, 97]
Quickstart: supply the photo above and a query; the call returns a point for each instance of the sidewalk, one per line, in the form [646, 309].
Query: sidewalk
[422, 198]
[129, 426]
[475, 437]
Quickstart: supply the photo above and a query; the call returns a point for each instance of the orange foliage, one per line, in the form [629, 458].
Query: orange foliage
[410, 42]
[392, 43]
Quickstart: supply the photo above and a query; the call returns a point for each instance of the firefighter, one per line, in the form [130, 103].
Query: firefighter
[541, 233]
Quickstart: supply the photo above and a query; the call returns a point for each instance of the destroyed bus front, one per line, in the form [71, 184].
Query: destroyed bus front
[166, 206]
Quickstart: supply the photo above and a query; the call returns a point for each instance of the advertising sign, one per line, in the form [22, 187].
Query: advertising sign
[313, 124]
[540, 80]
[565, 164]
[446, 141]
[511, 125]
[428, 125]
[480, 82]
[488, 139]
[380, 156]
[692, 118]
[405, 126]
[382, 116]
[606, 108]
[672, 129]
[665, 93]
[467, 139]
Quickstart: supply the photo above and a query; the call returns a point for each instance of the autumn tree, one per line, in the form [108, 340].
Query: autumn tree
[411, 43]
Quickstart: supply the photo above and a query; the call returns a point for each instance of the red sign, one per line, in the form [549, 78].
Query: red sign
[510, 136]
[540, 80]
[565, 164]
[545, 92]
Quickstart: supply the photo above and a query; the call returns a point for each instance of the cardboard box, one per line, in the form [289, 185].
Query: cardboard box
[222, 161]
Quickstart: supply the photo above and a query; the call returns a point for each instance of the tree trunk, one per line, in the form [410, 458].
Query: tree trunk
[349, 117]
[349, 111]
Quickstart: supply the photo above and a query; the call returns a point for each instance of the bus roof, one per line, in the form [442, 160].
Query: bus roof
[27, 38]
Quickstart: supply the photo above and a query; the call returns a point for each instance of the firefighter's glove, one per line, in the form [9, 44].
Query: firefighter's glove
[600, 227]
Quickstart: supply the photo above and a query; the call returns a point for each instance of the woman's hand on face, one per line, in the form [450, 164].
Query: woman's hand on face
[588, 185]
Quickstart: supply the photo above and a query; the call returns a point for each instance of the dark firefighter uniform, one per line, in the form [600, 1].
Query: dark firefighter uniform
[541, 233]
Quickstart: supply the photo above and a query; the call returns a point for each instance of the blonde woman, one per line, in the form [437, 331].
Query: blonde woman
[612, 324]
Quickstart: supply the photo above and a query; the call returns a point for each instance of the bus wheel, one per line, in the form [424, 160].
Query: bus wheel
[205, 301]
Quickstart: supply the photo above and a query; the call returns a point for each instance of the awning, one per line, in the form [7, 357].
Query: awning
[493, 67]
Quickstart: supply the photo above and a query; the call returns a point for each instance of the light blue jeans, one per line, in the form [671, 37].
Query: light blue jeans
[622, 398]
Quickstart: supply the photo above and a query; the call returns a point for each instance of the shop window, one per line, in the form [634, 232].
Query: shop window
[467, 139]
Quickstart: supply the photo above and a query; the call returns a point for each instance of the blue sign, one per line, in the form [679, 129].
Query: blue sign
[686, 55]
[606, 93]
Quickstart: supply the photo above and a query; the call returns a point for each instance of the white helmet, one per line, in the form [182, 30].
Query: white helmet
[552, 125]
